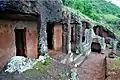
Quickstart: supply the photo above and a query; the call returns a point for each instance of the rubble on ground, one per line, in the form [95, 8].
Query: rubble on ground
[55, 71]
[21, 64]
[74, 74]
[112, 55]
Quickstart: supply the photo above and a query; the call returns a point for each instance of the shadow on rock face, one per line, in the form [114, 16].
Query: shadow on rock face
[112, 55]
[95, 47]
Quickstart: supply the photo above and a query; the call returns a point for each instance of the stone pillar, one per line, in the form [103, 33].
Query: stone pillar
[67, 38]
[115, 42]
[91, 36]
[69, 34]
[78, 33]
[102, 42]
[64, 38]
[88, 36]
[88, 41]
[66, 32]
[42, 37]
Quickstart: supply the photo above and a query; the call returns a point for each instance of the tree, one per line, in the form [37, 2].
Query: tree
[83, 6]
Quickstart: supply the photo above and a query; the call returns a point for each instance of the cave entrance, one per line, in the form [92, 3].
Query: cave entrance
[20, 40]
[54, 38]
[95, 46]
[50, 35]
[73, 45]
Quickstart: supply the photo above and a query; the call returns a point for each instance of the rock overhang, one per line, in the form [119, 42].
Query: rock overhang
[49, 10]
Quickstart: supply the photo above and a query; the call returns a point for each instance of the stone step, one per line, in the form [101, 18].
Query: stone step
[79, 61]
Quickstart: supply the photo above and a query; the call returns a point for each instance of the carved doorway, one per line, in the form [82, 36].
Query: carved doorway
[54, 38]
[20, 40]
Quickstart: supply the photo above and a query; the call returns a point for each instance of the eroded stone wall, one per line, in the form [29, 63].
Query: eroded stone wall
[7, 48]
[50, 10]
[45, 10]
[7, 39]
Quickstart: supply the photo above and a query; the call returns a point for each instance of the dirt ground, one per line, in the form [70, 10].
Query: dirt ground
[113, 69]
[93, 68]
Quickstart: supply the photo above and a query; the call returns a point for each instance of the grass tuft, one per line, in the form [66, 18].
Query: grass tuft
[39, 68]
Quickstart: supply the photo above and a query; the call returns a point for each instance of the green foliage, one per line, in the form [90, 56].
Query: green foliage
[90, 7]
[104, 7]
[111, 19]
[118, 15]
[83, 6]
[117, 61]
[101, 11]
[39, 68]
[118, 45]
[77, 12]
[115, 67]
[68, 2]
[118, 33]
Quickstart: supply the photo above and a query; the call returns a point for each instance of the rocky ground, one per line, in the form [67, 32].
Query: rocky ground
[95, 67]
[56, 71]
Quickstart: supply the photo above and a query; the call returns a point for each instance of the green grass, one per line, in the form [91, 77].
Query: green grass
[115, 65]
[42, 66]
[117, 61]
[39, 68]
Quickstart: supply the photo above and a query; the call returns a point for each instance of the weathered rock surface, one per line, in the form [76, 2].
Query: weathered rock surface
[20, 64]
[56, 71]
[43, 10]
[50, 9]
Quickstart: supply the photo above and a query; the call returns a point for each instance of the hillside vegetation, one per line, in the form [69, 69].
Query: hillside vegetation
[101, 11]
